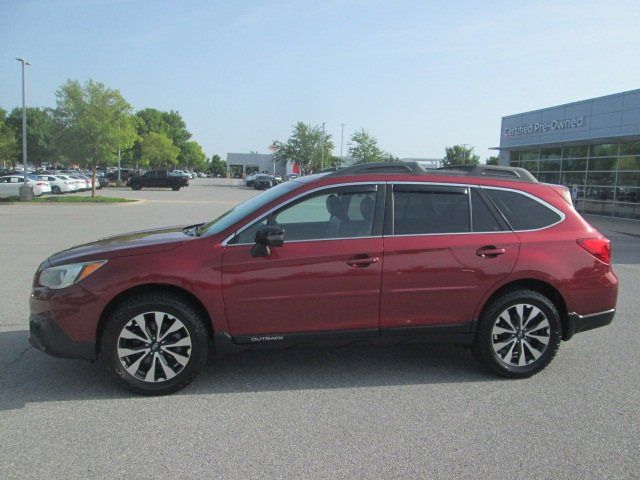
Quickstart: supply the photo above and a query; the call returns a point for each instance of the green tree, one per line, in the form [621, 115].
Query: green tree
[42, 134]
[460, 155]
[170, 124]
[365, 148]
[192, 156]
[97, 121]
[218, 166]
[493, 160]
[305, 146]
[158, 151]
[8, 142]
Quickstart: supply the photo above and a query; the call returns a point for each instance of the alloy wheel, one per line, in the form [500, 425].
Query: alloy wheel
[520, 335]
[154, 347]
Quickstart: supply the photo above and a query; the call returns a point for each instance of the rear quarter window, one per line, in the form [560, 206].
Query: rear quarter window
[522, 211]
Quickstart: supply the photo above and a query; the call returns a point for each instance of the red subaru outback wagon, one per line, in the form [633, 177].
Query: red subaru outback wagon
[484, 256]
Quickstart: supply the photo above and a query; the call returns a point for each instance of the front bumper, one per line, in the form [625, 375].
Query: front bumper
[581, 323]
[47, 336]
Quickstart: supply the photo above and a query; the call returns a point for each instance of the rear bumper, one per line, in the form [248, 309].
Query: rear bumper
[581, 323]
[47, 336]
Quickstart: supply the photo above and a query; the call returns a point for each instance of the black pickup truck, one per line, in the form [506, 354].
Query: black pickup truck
[158, 179]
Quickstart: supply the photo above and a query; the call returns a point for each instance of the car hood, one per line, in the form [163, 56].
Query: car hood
[134, 243]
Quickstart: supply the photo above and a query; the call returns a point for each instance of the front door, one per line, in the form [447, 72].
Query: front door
[326, 276]
[446, 249]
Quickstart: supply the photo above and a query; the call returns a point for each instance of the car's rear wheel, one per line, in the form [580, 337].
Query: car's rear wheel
[56, 190]
[136, 186]
[518, 334]
[154, 344]
[175, 188]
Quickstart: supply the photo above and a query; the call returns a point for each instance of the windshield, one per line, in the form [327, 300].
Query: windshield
[247, 207]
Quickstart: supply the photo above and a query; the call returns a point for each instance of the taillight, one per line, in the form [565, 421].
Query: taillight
[599, 247]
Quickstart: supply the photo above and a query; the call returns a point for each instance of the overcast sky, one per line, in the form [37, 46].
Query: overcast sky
[419, 75]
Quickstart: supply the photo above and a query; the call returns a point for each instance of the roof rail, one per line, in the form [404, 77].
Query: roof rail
[413, 168]
[510, 173]
[379, 167]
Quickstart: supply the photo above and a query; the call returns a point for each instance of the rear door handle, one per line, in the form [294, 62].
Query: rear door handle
[490, 251]
[362, 260]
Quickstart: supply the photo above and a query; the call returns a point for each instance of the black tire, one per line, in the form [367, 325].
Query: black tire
[175, 188]
[136, 186]
[520, 342]
[56, 190]
[171, 306]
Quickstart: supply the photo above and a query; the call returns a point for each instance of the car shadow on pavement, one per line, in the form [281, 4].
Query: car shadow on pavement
[31, 376]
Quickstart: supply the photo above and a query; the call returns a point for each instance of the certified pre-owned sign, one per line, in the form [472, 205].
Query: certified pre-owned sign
[541, 127]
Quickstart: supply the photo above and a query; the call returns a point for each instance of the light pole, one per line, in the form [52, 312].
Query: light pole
[341, 140]
[119, 180]
[26, 193]
[322, 157]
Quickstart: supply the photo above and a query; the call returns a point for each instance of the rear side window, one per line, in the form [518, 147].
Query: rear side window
[523, 212]
[483, 218]
[420, 210]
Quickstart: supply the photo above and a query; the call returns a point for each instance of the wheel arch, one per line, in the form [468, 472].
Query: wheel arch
[123, 296]
[537, 285]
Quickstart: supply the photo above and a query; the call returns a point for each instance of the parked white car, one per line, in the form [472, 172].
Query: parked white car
[83, 183]
[179, 173]
[10, 186]
[58, 184]
[74, 184]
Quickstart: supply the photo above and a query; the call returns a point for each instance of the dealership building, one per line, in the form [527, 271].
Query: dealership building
[591, 146]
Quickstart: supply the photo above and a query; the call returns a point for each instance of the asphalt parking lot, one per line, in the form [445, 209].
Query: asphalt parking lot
[359, 412]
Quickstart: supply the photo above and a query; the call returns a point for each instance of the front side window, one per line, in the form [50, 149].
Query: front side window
[521, 211]
[430, 210]
[343, 212]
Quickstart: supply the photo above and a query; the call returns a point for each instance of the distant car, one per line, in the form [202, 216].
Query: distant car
[83, 183]
[202, 175]
[102, 180]
[293, 176]
[262, 182]
[277, 179]
[75, 185]
[159, 179]
[249, 179]
[10, 185]
[58, 184]
[179, 173]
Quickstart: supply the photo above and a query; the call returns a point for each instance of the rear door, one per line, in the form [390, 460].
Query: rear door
[445, 247]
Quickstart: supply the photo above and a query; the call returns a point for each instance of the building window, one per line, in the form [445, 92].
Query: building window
[604, 178]
[550, 153]
[576, 151]
[603, 150]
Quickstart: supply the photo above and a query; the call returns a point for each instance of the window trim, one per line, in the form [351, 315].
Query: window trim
[381, 187]
[391, 232]
[533, 197]
[480, 188]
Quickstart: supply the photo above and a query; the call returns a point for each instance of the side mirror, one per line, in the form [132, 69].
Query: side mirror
[268, 236]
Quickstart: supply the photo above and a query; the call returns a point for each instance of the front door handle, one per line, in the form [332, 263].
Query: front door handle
[362, 260]
[489, 251]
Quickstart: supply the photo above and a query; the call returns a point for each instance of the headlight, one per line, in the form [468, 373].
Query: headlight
[63, 276]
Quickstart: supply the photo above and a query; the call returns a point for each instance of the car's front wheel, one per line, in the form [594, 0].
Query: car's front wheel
[154, 344]
[518, 334]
